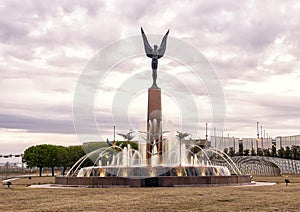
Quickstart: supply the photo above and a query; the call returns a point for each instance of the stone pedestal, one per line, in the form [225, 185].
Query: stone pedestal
[154, 113]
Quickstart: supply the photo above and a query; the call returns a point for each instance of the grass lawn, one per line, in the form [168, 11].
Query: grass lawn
[247, 198]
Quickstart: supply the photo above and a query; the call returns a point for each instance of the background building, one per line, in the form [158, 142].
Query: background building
[265, 143]
[284, 141]
[224, 143]
[252, 143]
[249, 143]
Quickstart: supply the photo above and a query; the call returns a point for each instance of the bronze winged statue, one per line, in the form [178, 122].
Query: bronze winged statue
[154, 53]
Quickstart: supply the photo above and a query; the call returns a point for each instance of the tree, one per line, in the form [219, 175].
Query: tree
[74, 153]
[267, 152]
[46, 155]
[281, 152]
[231, 152]
[63, 156]
[41, 156]
[226, 151]
[295, 152]
[68, 156]
[52, 159]
[260, 152]
[287, 153]
[241, 150]
[35, 156]
[246, 152]
[253, 153]
[273, 151]
[91, 146]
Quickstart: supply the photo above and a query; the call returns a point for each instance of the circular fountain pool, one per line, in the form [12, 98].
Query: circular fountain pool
[179, 163]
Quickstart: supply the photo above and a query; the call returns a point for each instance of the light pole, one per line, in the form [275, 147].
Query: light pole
[206, 132]
[114, 133]
[261, 136]
[257, 136]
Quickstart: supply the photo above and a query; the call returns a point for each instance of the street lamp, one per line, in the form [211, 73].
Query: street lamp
[206, 131]
[261, 136]
[257, 139]
[114, 133]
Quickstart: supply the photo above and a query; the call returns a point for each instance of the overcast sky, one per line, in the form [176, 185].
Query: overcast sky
[253, 47]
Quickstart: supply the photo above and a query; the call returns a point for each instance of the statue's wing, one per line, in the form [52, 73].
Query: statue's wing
[148, 48]
[163, 45]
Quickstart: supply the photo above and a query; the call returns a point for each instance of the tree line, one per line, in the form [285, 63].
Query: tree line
[51, 156]
[287, 152]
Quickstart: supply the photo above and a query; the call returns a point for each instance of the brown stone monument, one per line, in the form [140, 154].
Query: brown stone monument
[154, 115]
[154, 128]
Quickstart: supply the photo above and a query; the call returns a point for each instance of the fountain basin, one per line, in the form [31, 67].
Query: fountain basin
[159, 181]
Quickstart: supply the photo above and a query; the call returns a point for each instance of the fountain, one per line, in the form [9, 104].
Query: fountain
[176, 160]
[181, 163]
[162, 159]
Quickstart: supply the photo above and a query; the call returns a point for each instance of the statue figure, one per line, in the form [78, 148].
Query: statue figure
[154, 54]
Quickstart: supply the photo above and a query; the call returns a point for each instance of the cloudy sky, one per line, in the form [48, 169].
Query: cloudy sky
[253, 47]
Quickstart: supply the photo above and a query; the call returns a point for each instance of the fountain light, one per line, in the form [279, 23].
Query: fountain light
[102, 172]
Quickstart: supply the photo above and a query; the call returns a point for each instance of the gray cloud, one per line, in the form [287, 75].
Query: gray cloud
[45, 45]
[36, 125]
